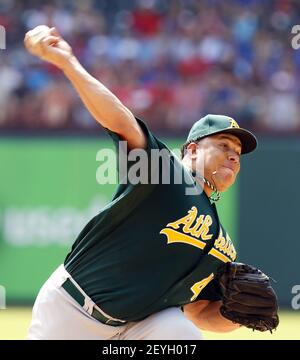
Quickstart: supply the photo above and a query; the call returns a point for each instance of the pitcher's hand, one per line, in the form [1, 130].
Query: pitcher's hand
[48, 45]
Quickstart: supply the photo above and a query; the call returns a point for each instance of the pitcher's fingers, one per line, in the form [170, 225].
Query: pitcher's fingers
[53, 31]
[50, 40]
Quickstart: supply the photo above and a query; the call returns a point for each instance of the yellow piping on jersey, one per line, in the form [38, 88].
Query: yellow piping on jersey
[219, 255]
[175, 236]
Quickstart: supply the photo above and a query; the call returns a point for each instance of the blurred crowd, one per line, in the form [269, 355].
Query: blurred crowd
[169, 61]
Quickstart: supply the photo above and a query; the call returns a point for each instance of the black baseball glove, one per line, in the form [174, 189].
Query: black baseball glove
[248, 297]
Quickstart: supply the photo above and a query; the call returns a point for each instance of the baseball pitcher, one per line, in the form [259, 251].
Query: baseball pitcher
[156, 262]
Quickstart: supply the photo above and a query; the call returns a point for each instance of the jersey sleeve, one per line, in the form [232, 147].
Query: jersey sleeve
[137, 165]
[152, 141]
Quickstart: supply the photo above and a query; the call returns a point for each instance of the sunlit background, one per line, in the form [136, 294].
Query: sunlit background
[170, 62]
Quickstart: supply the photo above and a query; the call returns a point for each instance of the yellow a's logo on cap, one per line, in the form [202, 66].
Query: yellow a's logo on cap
[233, 123]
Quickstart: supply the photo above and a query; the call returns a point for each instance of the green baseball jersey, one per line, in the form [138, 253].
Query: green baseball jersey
[155, 245]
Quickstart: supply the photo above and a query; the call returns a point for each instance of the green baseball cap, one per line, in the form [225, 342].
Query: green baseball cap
[215, 124]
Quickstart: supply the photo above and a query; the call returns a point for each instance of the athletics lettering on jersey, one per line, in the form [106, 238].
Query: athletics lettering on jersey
[193, 229]
[223, 248]
[189, 229]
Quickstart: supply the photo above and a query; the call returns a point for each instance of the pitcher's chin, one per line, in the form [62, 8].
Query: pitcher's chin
[225, 179]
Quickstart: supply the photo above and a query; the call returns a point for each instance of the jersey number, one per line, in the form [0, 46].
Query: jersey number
[200, 285]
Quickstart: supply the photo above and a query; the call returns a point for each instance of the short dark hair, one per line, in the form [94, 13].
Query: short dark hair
[185, 145]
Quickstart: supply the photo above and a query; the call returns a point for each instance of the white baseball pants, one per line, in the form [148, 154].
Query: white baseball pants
[56, 315]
